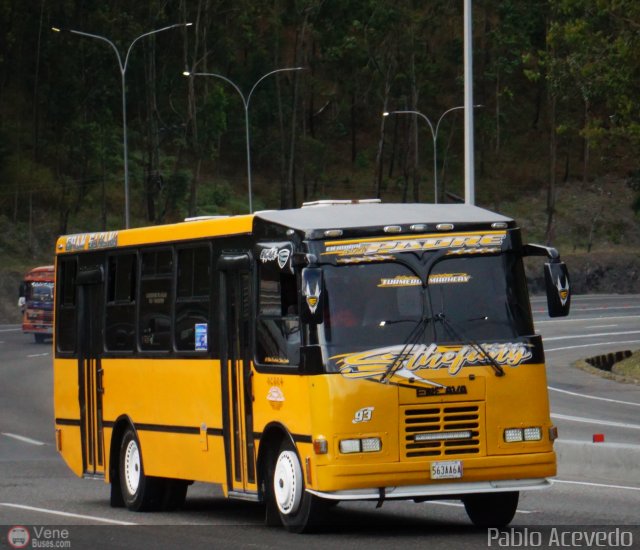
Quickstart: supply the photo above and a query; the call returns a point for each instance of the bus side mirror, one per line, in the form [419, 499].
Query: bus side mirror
[313, 295]
[556, 278]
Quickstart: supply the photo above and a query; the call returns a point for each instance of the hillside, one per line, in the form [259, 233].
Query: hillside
[597, 216]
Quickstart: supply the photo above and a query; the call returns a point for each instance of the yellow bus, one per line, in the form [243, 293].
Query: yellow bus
[336, 352]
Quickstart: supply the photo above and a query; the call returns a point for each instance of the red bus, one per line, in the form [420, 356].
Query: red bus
[36, 301]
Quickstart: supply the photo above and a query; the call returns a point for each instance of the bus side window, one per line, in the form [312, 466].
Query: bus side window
[121, 300]
[156, 296]
[66, 317]
[278, 323]
[193, 298]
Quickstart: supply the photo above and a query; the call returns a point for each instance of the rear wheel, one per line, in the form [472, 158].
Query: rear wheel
[299, 511]
[491, 509]
[139, 492]
[39, 338]
[174, 493]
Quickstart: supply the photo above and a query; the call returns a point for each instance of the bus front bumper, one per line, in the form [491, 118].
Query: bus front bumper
[434, 491]
[403, 480]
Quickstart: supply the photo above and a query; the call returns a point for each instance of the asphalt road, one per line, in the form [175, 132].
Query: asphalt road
[37, 489]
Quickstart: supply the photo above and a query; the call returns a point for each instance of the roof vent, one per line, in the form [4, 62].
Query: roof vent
[334, 202]
[202, 218]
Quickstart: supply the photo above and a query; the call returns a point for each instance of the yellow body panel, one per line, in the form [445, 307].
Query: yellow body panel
[186, 393]
[155, 234]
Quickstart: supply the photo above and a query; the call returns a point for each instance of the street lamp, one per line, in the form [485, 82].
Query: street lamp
[434, 135]
[123, 70]
[245, 103]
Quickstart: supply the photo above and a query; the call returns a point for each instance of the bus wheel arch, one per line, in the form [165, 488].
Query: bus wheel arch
[119, 428]
[140, 492]
[270, 441]
[283, 484]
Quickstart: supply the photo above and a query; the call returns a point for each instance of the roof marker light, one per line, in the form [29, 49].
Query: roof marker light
[333, 233]
[418, 227]
[499, 225]
[444, 226]
[393, 229]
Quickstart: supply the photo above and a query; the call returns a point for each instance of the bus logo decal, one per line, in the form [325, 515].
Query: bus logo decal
[363, 415]
[312, 297]
[273, 254]
[563, 291]
[92, 241]
[283, 257]
[374, 363]
[461, 243]
[275, 397]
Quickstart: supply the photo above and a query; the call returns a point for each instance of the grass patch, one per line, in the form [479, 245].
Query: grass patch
[629, 367]
[626, 371]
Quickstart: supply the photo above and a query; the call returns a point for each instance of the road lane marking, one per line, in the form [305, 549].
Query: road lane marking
[38, 355]
[66, 514]
[589, 484]
[600, 308]
[597, 335]
[602, 326]
[619, 402]
[587, 319]
[592, 345]
[24, 439]
[10, 329]
[584, 420]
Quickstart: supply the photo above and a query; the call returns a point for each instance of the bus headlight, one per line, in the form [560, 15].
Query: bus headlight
[365, 445]
[533, 434]
[515, 435]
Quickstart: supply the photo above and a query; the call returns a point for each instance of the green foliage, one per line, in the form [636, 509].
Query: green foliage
[61, 117]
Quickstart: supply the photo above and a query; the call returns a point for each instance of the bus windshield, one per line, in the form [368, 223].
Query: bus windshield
[482, 299]
[41, 292]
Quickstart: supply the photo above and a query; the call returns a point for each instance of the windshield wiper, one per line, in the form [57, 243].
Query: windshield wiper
[494, 364]
[405, 353]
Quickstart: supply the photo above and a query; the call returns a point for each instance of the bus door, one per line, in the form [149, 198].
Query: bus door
[235, 364]
[90, 283]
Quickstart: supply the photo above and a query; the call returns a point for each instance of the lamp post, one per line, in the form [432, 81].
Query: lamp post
[123, 70]
[245, 102]
[434, 136]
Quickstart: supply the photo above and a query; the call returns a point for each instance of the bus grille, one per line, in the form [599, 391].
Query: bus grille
[442, 431]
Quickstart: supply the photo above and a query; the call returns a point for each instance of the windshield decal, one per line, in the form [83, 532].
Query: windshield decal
[372, 364]
[436, 279]
[459, 243]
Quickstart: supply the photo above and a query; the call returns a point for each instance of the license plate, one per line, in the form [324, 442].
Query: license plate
[450, 469]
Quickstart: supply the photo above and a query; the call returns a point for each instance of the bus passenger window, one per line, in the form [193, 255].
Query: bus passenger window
[193, 297]
[66, 315]
[120, 309]
[156, 296]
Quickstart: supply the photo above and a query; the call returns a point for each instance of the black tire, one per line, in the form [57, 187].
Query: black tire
[115, 496]
[174, 493]
[39, 338]
[491, 509]
[298, 510]
[140, 493]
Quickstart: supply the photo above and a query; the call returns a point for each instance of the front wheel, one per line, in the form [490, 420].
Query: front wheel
[491, 509]
[299, 511]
